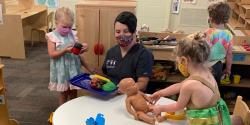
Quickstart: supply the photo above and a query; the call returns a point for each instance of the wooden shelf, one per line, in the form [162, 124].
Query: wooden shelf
[248, 24]
[235, 24]
[1, 89]
[171, 78]
[231, 5]
[241, 20]
[245, 10]
[244, 83]
[243, 1]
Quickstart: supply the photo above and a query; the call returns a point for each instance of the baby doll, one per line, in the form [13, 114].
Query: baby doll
[137, 102]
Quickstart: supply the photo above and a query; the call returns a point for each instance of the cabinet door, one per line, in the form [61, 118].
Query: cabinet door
[107, 34]
[87, 24]
[4, 119]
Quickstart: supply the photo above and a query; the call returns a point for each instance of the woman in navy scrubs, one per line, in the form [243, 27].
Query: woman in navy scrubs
[128, 58]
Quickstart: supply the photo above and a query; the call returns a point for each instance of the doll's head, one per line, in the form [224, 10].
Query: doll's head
[128, 86]
[219, 13]
[192, 50]
[64, 19]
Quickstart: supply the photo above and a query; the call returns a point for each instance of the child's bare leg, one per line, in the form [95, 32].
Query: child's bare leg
[144, 117]
[72, 94]
[63, 96]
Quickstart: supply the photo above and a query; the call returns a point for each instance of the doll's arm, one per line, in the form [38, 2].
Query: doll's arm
[130, 109]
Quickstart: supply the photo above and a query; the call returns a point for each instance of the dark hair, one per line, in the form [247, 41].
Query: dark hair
[195, 47]
[128, 19]
[219, 12]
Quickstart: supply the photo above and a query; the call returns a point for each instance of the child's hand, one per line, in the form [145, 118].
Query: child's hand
[84, 48]
[68, 48]
[228, 72]
[154, 97]
[156, 109]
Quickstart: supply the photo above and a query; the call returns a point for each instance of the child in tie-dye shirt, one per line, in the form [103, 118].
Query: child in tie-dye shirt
[219, 39]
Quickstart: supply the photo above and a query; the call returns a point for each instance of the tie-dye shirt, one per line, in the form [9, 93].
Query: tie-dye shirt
[219, 40]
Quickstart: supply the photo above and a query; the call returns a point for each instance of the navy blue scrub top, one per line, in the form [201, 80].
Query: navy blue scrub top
[136, 63]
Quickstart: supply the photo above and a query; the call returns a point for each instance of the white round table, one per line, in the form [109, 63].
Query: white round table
[77, 111]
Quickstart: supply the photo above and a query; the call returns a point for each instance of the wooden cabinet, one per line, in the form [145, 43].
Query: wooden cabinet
[95, 25]
[4, 115]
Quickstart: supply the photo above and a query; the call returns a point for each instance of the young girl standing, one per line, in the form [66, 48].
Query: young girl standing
[64, 65]
[199, 92]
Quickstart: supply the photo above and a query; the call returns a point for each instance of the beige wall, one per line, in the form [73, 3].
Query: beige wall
[154, 13]
[66, 3]
[157, 14]
[196, 20]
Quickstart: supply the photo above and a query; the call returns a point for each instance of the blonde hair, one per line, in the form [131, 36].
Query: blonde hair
[64, 15]
[195, 47]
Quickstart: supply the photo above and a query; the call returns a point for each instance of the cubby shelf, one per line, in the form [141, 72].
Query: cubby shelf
[240, 14]
[244, 83]
[171, 78]
[1, 89]
[243, 1]
[245, 10]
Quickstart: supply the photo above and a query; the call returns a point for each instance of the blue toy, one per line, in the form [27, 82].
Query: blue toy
[90, 121]
[99, 120]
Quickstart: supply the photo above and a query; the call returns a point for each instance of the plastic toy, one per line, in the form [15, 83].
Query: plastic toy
[99, 120]
[137, 102]
[175, 116]
[225, 80]
[76, 48]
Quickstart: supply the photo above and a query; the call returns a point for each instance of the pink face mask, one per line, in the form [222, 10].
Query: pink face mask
[64, 30]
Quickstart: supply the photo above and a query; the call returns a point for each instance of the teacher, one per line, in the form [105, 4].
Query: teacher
[128, 58]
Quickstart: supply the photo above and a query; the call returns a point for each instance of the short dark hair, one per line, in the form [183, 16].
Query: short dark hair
[219, 12]
[128, 19]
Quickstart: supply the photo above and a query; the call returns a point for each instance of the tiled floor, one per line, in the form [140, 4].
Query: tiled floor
[29, 100]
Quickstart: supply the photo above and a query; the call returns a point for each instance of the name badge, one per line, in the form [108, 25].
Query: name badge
[110, 63]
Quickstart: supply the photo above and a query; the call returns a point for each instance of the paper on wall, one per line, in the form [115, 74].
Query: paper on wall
[190, 1]
[175, 6]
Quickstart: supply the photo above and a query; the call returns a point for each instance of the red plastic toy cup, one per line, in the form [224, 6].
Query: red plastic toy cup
[76, 48]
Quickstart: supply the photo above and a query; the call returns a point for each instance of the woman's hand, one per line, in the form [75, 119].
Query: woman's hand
[154, 97]
[84, 48]
[156, 109]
